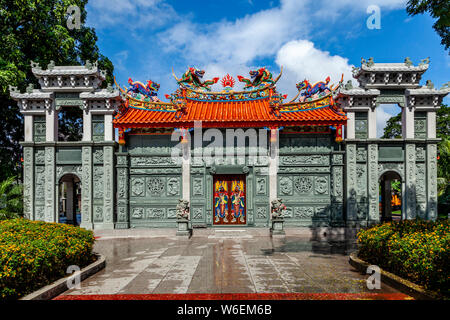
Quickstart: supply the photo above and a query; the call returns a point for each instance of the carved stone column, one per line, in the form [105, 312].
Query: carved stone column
[372, 123]
[123, 217]
[108, 188]
[337, 171]
[273, 164]
[372, 179]
[410, 170]
[432, 181]
[350, 127]
[50, 187]
[351, 183]
[87, 125]
[86, 188]
[28, 183]
[408, 119]
[28, 127]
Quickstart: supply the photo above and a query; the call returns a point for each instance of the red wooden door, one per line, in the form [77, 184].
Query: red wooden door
[229, 199]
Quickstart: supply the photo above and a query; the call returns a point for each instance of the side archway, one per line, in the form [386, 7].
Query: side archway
[391, 196]
[69, 199]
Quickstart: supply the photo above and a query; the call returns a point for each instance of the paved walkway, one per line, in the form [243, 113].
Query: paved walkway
[224, 261]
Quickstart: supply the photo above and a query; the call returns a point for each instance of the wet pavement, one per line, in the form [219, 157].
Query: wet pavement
[224, 261]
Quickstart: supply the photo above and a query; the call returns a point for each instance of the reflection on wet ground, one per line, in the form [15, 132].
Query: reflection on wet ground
[225, 261]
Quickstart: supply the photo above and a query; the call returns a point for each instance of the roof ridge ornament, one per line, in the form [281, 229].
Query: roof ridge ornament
[369, 63]
[425, 61]
[408, 62]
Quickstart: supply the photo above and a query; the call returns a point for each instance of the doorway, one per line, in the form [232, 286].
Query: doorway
[229, 199]
[391, 200]
[69, 204]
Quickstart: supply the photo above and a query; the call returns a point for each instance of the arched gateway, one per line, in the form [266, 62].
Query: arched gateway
[230, 152]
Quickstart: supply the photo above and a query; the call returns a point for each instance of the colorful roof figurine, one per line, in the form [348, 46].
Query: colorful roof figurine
[258, 105]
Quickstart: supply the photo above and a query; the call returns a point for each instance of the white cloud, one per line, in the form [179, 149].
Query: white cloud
[384, 113]
[302, 60]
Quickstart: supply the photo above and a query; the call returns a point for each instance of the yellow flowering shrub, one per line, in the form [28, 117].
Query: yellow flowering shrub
[35, 253]
[417, 250]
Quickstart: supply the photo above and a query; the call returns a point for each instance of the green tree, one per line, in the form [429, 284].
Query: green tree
[36, 30]
[393, 129]
[11, 205]
[438, 9]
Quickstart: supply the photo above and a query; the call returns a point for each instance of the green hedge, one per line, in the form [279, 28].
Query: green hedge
[414, 249]
[34, 254]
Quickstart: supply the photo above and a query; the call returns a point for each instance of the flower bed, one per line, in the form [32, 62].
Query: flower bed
[416, 250]
[34, 254]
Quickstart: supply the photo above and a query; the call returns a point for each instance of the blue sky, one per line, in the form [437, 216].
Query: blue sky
[145, 39]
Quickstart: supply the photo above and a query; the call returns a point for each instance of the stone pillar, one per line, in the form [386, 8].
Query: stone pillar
[337, 180]
[410, 173]
[372, 123]
[109, 130]
[186, 171]
[408, 121]
[28, 124]
[351, 183]
[51, 207]
[372, 179]
[51, 125]
[350, 128]
[431, 181]
[431, 124]
[123, 217]
[28, 183]
[273, 164]
[87, 125]
[108, 187]
[86, 188]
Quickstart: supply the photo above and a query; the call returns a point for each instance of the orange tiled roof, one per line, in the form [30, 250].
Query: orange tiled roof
[250, 113]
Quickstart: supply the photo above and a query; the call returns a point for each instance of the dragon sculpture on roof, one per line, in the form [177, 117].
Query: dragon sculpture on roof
[192, 79]
[260, 77]
[147, 91]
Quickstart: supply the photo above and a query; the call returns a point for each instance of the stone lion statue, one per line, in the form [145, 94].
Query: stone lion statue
[277, 208]
[183, 209]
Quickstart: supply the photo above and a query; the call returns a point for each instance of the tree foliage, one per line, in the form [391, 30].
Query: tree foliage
[36, 30]
[438, 9]
[393, 129]
[11, 205]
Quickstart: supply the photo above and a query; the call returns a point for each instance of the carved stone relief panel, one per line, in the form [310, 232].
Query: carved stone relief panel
[98, 213]
[420, 182]
[40, 156]
[261, 186]
[40, 182]
[98, 182]
[197, 187]
[321, 185]
[337, 182]
[122, 214]
[303, 184]
[420, 153]
[137, 213]
[338, 159]
[361, 180]
[173, 186]
[303, 212]
[197, 213]
[137, 187]
[305, 160]
[361, 155]
[155, 213]
[261, 213]
[285, 186]
[155, 186]
[322, 212]
[98, 155]
[152, 161]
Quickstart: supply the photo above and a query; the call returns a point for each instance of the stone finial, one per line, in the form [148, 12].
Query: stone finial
[182, 209]
[348, 85]
[13, 89]
[34, 65]
[424, 61]
[355, 71]
[277, 208]
[103, 74]
[368, 63]
[30, 88]
[429, 84]
[51, 65]
[88, 65]
[110, 88]
[408, 62]
[446, 86]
